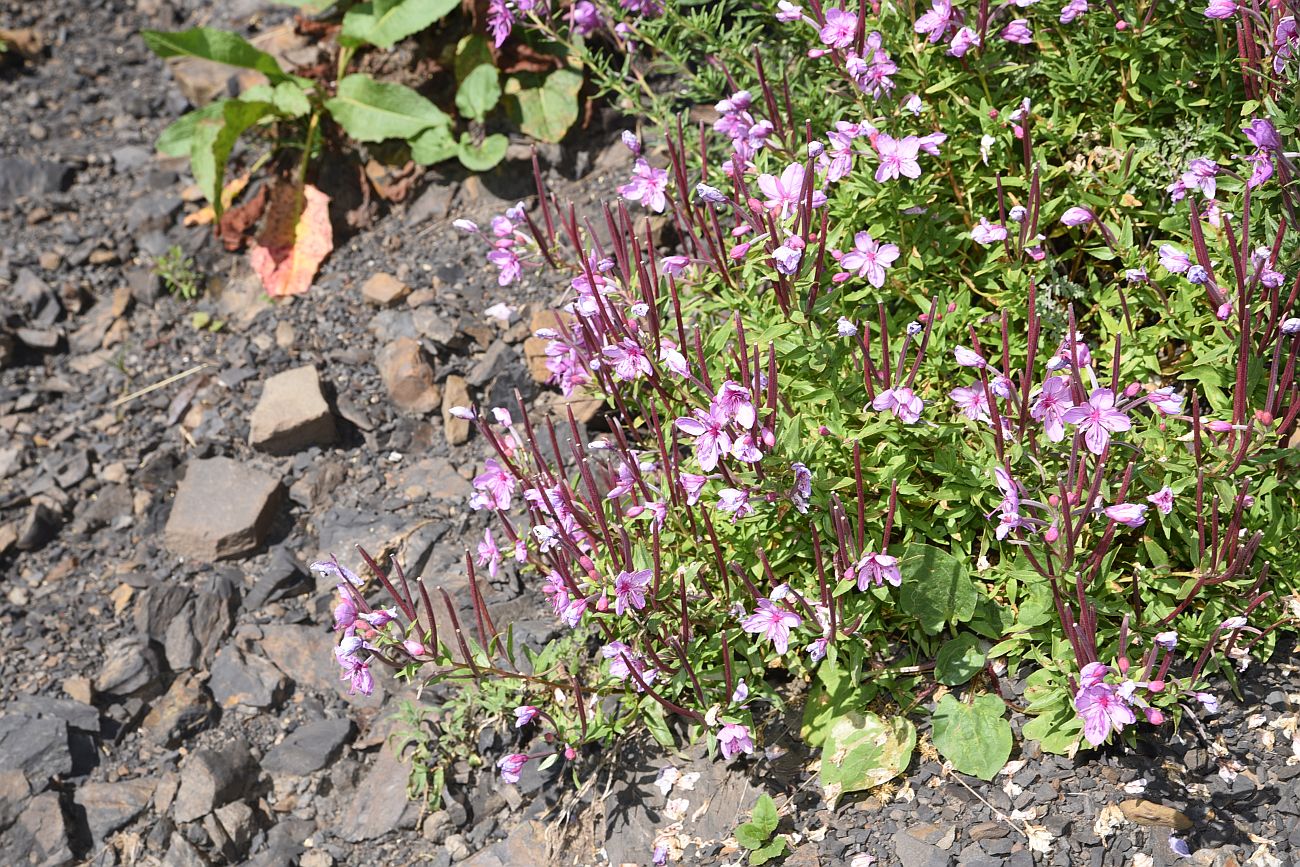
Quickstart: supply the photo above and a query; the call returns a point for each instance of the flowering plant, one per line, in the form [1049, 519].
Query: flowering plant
[916, 406]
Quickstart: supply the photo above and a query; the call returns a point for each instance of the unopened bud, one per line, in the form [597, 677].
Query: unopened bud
[1156, 686]
[1154, 715]
[1054, 500]
[993, 114]
[1121, 25]
[952, 306]
[1123, 665]
[1133, 389]
[1219, 426]
[1051, 535]
[824, 431]
[1264, 417]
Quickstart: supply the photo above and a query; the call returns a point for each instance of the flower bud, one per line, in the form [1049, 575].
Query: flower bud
[1122, 664]
[1054, 500]
[1051, 535]
[1219, 426]
[952, 306]
[1121, 25]
[1133, 389]
[1018, 214]
[1156, 686]
[824, 431]
[993, 114]
[1154, 715]
[1264, 417]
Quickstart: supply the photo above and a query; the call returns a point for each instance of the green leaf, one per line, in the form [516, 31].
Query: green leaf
[480, 158]
[479, 92]
[936, 588]
[544, 109]
[433, 145]
[1057, 731]
[975, 737]
[471, 53]
[176, 138]
[372, 111]
[764, 817]
[775, 849]
[862, 750]
[384, 23]
[833, 694]
[749, 836]
[214, 138]
[958, 660]
[218, 45]
[291, 100]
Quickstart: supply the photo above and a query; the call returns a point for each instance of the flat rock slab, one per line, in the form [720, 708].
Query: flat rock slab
[110, 806]
[380, 805]
[292, 414]
[309, 747]
[37, 747]
[213, 778]
[384, 290]
[223, 509]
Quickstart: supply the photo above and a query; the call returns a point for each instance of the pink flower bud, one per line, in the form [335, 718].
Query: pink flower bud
[602, 603]
[414, 647]
[824, 431]
[993, 114]
[1156, 686]
[1123, 665]
[952, 306]
[1121, 25]
[1264, 417]
[1054, 500]
[1154, 715]
[1219, 426]
[570, 753]
[1133, 389]
[1052, 534]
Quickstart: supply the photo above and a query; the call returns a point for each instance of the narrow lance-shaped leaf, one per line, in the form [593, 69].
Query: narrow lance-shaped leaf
[217, 45]
[213, 140]
[384, 23]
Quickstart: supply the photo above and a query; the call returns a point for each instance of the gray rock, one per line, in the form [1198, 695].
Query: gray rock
[912, 852]
[434, 202]
[76, 714]
[435, 326]
[37, 746]
[379, 804]
[40, 835]
[222, 509]
[192, 637]
[14, 791]
[112, 806]
[292, 414]
[212, 778]
[157, 606]
[130, 157]
[182, 853]
[39, 525]
[185, 709]
[19, 178]
[309, 747]
[499, 356]
[131, 668]
[283, 577]
[109, 503]
[306, 655]
[153, 212]
[237, 821]
[243, 680]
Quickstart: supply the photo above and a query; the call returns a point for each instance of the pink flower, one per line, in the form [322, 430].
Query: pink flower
[869, 258]
[1102, 711]
[524, 714]
[987, 233]
[897, 157]
[1018, 32]
[584, 17]
[1050, 406]
[1163, 500]
[494, 487]
[1175, 261]
[972, 401]
[968, 357]
[511, 766]
[628, 359]
[788, 13]
[1073, 10]
[1221, 9]
[692, 484]
[840, 30]
[629, 590]
[345, 614]
[736, 502]
[901, 401]
[734, 738]
[648, 186]
[1076, 216]
[1128, 514]
[772, 622]
[1166, 400]
[711, 438]
[876, 569]
[935, 22]
[488, 553]
[1098, 419]
[733, 403]
[500, 21]
[962, 41]
[784, 194]
[508, 262]
[802, 489]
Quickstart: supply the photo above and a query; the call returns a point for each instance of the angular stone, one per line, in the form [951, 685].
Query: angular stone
[183, 710]
[306, 655]
[292, 414]
[36, 746]
[14, 791]
[243, 680]
[111, 806]
[384, 290]
[380, 805]
[455, 394]
[309, 747]
[222, 509]
[212, 778]
[500, 355]
[236, 820]
[408, 376]
[77, 714]
[131, 667]
[40, 836]
[192, 637]
[1143, 812]
[912, 852]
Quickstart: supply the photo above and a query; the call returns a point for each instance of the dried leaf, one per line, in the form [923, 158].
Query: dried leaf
[237, 222]
[205, 215]
[1144, 812]
[295, 240]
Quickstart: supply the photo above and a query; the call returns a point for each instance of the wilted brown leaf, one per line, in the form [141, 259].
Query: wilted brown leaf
[207, 214]
[237, 222]
[295, 239]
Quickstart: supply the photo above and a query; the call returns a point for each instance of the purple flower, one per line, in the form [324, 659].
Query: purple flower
[1073, 10]
[629, 590]
[1263, 134]
[901, 401]
[1163, 500]
[1050, 406]
[1166, 640]
[802, 489]
[345, 614]
[1261, 168]
[1128, 514]
[524, 714]
[494, 486]
[788, 255]
[1200, 175]
[1098, 419]
[628, 359]
[972, 401]
[511, 766]
[584, 17]
[1018, 32]
[840, 30]
[500, 21]
[968, 357]
[1221, 9]
[734, 738]
[935, 22]
[732, 402]
[1102, 711]
[987, 233]
[788, 13]
[711, 438]
[845, 328]
[736, 502]
[1179, 846]
[1209, 701]
[869, 258]
[962, 41]
[876, 569]
[331, 568]
[785, 193]
[648, 186]
[488, 553]
[1197, 276]
[508, 262]
[1076, 216]
[674, 265]
[692, 484]
[898, 157]
[772, 622]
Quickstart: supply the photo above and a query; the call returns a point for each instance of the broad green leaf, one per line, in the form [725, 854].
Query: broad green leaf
[1057, 731]
[372, 111]
[958, 660]
[481, 157]
[764, 817]
[176, 138]
[775, 849]
[479, 92]
[384, 23]
[433, 145]
[833, 694]
[936, 588]
[218, 45]
[862, 751]
[749, 836]
[213, 140]
[291, 100]
[975, 737]
[545, 109]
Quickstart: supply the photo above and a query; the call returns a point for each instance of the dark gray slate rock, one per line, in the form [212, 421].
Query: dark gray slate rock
[212, 778]
[192, 637]
[222, 509]
[309, 747]
[913, 852]
[112, 806]
[40, 835]
[184, 710]
[246, 680]
[380, 805]
[20, 178]
[37, 746]
[131, 668]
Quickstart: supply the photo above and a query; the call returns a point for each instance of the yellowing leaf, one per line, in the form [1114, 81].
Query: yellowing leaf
[207, 214]
[295, 240]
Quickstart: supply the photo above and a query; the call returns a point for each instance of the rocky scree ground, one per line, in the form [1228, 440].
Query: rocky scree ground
[168, 687]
